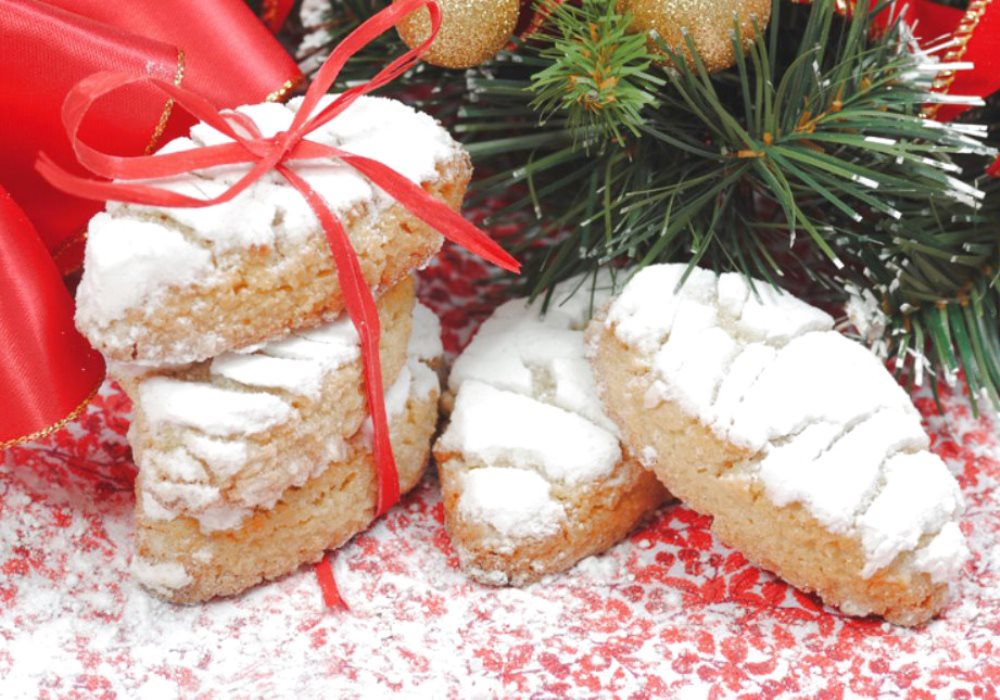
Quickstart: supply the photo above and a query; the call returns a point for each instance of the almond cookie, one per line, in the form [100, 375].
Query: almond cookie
[219, 439]
[183, 557]
[804, 449]
[533, 475]
[173, 286]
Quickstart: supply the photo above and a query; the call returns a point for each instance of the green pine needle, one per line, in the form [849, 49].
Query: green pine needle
[808, 164]
[598, 78]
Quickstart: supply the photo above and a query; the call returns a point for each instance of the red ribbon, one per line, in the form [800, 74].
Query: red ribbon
[328, 584]
[266, 154]
[217, 47]
[42, 347]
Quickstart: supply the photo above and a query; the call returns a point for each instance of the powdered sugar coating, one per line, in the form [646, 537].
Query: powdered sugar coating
[842, 473]
[211, 475]
[131, 260]
[296, 364]
[790, 394]
[937, 557]
[828, 425]
[163, 576]
[494, 427]
[181, 246]
[517, 503]
[919, 497]
[299, 376]
[425, 339]
[211, 409]
[542, 355]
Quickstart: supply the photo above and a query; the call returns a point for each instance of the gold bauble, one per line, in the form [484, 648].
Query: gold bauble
[472, 31]
[709, 23]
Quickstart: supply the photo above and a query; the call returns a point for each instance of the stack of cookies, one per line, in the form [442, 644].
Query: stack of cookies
[226, 326]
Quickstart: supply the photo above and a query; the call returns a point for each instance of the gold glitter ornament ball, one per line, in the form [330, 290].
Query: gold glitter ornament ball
[472, 31]
[709, 23]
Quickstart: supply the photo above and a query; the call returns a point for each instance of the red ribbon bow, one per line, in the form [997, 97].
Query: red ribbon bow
[266, 154]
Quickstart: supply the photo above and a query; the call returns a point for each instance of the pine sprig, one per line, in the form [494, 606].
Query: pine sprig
[598, 79]
[807, 164]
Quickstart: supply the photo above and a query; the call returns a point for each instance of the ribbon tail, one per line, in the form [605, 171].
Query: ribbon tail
[433, 212]
[328, 584]
[101, 190]
[361, 308]
[373, 27]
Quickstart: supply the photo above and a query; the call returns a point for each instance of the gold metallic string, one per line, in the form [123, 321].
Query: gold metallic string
[58, 425]
[961, 36]
[281, 94]
[168, 107]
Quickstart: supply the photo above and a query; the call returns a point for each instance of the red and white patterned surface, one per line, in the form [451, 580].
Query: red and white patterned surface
[668, 613]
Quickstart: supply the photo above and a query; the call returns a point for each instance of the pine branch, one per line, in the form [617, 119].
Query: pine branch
[807, 164]
[598, 73]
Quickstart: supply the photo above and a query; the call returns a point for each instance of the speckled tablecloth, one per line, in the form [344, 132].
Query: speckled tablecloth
[668, 613]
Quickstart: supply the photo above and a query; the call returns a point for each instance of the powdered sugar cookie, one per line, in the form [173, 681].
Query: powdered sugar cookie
[804, 449]
[219, 439]
[184, 556]
[174, 286]
[533, 475]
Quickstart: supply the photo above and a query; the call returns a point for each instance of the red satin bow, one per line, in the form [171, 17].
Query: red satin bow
[216, 47]
[266, 154]
[48, 372]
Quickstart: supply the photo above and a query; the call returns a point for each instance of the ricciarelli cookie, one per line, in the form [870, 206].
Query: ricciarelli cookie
[533, 475]
[173, 286]
[219, 439]
[213, 520]
[807, 453]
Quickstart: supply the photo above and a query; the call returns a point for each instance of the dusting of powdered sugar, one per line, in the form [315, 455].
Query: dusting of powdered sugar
[164, 577]
[211, 409]
[137, 253]
[527, 415]
[129, 260]
[670, 613]
[541, 355]
[515, 503]
[830, 427]
[215, 474]
[494, 427]
[425, 339]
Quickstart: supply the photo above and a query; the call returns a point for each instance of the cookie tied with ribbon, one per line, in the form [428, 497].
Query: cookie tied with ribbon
[251, 156]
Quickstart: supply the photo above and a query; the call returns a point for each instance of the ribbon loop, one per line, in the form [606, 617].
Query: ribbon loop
[273, 154]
